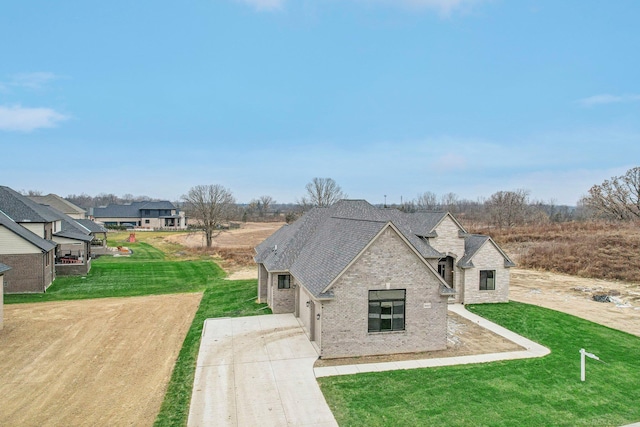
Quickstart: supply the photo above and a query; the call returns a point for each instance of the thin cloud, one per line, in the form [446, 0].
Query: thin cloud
[264, 4]
[443, 7]
[607, 99]
[23, 119]
[32, 80]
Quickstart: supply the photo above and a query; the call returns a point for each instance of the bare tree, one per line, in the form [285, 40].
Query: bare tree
[508, 208]
[427, 201]
[449, 202]
[618, 198]
[266, 202]
[210, 205]
[322, 192]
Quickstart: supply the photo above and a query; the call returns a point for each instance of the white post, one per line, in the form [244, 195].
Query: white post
[582, 351]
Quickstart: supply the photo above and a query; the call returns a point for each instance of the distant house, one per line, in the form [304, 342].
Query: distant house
[156, 215]
[3, 269]
[370, 281]
[60, 204]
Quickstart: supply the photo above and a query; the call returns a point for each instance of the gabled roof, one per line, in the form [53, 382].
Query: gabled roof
[129, 210]
[22, 209]
[34, 239]
[92, 226]
[3, 268]
[58, 203]
[70, 228]
[321, 244]
[472, 245]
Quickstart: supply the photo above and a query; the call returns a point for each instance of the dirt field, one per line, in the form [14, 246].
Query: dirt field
[90, 362]
[249, 235]
[573, 295]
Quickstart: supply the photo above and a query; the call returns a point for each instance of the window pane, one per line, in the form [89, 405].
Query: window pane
[398, 323]
[374, 308]
[386, 295]
[374, 324]
[385, 324]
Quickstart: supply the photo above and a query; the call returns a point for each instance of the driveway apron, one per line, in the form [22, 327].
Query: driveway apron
[257, 371]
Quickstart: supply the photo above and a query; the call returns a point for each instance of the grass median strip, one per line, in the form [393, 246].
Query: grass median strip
[544, 391]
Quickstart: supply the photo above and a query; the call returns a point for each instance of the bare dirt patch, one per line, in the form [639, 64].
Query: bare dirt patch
[233, 249]
[90, 362]
[464, 338]
[249, 235]
[573, 295]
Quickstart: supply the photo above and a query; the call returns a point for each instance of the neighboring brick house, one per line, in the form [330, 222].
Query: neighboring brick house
[3, 269]
[370, 281]
[30, 256]
[156, 215]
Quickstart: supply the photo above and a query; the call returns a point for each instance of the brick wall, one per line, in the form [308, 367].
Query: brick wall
[282, 300]
[487, 258]
[387, 264]
[1, 300]
[262, 283]
[28, 272]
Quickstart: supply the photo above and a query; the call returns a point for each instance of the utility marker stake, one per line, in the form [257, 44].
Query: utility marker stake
[584, 353]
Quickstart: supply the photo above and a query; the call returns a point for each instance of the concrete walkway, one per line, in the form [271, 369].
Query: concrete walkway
[257, 371]
[532, 349]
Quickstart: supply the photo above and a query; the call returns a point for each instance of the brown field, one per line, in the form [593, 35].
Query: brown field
[90, 362]
[602, 250]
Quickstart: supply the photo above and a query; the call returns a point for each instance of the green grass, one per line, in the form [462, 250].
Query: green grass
[223, 299]
[145, 272]
[533, 392]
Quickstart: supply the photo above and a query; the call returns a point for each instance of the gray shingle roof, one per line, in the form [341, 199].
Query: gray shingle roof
[22, 209]
[472, 244]
[3, 268]
[92, 226]
[131, 210]
[34, 239]
[71, 229]
[321, 244]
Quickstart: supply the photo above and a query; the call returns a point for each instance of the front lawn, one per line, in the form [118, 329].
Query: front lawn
[145, 272]
[532, 392]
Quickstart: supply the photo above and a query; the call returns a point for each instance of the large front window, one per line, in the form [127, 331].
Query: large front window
[487, 280]
[386, 310]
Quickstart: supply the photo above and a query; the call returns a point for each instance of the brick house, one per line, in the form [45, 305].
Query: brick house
[30, 256]
[369, 281]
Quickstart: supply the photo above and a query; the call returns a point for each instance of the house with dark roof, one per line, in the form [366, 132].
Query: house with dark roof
[369, 281]
[3, 269]
[152, 215]
[98, 233]
[31, 257]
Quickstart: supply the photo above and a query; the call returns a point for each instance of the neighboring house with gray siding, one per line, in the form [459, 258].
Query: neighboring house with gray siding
[369, 281]
[153, 215]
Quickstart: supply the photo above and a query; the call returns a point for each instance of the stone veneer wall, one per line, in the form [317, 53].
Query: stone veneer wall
[282, 300]
[388, 263]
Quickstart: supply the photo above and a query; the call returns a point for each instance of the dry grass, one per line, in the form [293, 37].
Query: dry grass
[601, 250]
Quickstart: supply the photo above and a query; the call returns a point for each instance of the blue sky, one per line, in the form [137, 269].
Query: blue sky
[387, 97]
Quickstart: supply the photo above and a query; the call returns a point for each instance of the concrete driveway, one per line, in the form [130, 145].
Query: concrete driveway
[257, 371]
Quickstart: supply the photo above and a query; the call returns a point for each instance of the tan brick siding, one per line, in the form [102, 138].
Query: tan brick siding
[487, 258]
[281, 300]
[28, 273]
[387, 263]
[448, 240]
